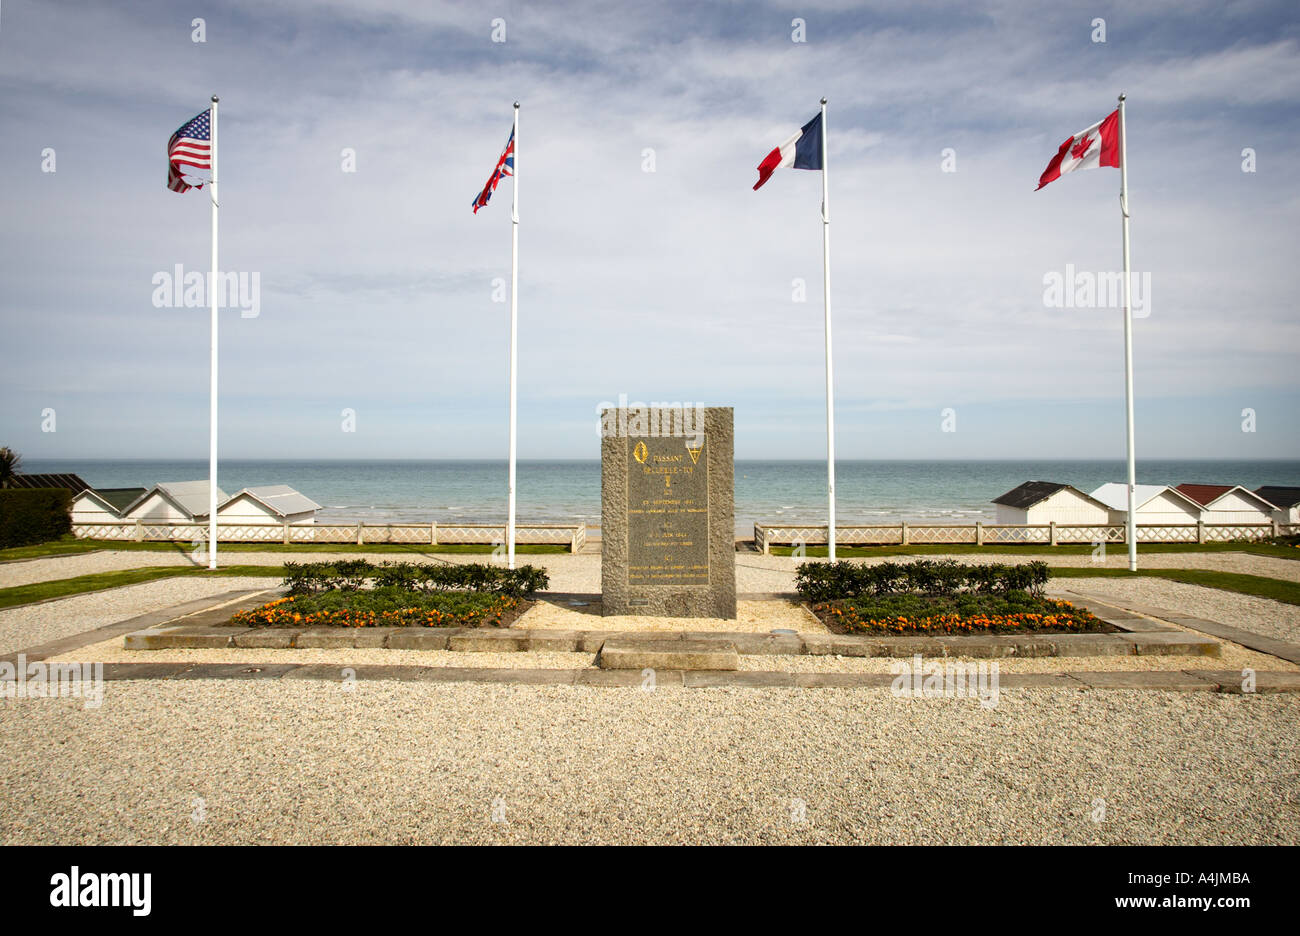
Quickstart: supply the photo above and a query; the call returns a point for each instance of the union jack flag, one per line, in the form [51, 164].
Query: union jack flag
[505, 167]
[191, 145]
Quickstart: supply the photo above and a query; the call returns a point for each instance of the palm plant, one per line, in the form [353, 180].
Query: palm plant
[10, 462]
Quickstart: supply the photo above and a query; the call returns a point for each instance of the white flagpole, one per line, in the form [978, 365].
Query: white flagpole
[1131, 525]
[212, 298]
[514, 331]
[830, 380]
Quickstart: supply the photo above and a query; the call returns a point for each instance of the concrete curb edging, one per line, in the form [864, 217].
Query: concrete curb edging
[1248, 639]
[1228, 682]
[1137, 636]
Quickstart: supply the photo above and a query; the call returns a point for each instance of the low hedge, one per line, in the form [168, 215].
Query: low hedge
[381, 607]
[314, 578]
[34, 515]
[827, 581]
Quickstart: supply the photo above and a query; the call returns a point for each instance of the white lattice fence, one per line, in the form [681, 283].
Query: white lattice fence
[1018, 534]
[573, 536]
[1080, 533]
[104, 531]
[1175, 533]
[941, 534]
[1227, 532]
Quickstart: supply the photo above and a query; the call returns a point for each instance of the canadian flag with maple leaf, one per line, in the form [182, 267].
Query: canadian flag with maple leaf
[1087, 149]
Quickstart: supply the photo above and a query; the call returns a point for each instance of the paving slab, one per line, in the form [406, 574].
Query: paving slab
[557, 641]
[1233, 681]
[1147, 679]
[668, 653]
[326, 638]
[629, 678]
[843, 680]
[504, 641]
[1173, 642]
[751, 679]
[179, 638]
[418, 638]
[241, 671]
[1038, 681]
[269, 638]
[326, 672]
[116, 671]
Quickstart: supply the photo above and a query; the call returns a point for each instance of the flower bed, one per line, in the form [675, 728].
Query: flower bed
[966, 614]
[386, 607]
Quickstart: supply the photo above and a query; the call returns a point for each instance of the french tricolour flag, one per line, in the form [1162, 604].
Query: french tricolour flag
[801, 151]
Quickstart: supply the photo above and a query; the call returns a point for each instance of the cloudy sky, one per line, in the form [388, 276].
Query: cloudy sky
[672, 284]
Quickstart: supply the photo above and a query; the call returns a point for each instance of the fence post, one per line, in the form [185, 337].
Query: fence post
[1051, 533]
[1200, 531]
[286, 533]
[979, 533]
[359, 537]
[139, 531]
[433, 534]
[904, 532]
[1276, 531]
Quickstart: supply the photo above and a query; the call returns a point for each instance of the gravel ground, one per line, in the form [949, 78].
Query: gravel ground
[275, 762]
[751, 617]
[1258, 615]
[581, 573]
[29, 626]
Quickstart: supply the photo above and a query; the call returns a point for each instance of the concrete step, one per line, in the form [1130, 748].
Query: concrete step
[667, 653]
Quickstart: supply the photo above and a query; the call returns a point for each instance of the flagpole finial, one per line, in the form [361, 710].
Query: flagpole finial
[214, 99]
[823, 102]
[516, 105]
[1122, 95]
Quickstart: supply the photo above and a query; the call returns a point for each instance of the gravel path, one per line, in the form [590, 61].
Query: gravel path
[751, 617]
[219, 762]
[29, 626]
[1274, 619]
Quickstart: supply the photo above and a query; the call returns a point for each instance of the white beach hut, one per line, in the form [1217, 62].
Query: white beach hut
[1227, 503]
[1285, 499]
[1156, 504]
[173, 502]
[103, 505]
[1037, 502]
[270, 504]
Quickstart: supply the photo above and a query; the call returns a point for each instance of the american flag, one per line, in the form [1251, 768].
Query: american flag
[505, 167]
[191, 145]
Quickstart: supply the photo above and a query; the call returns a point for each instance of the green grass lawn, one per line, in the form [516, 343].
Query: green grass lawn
[62, 588]
[1258, 585]
[72, 547]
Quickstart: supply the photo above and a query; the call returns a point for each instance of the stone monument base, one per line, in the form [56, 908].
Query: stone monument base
[668, 512]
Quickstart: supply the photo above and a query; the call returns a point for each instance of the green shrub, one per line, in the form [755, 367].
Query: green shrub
[829, 581]
[34, 515]
[413, 578]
